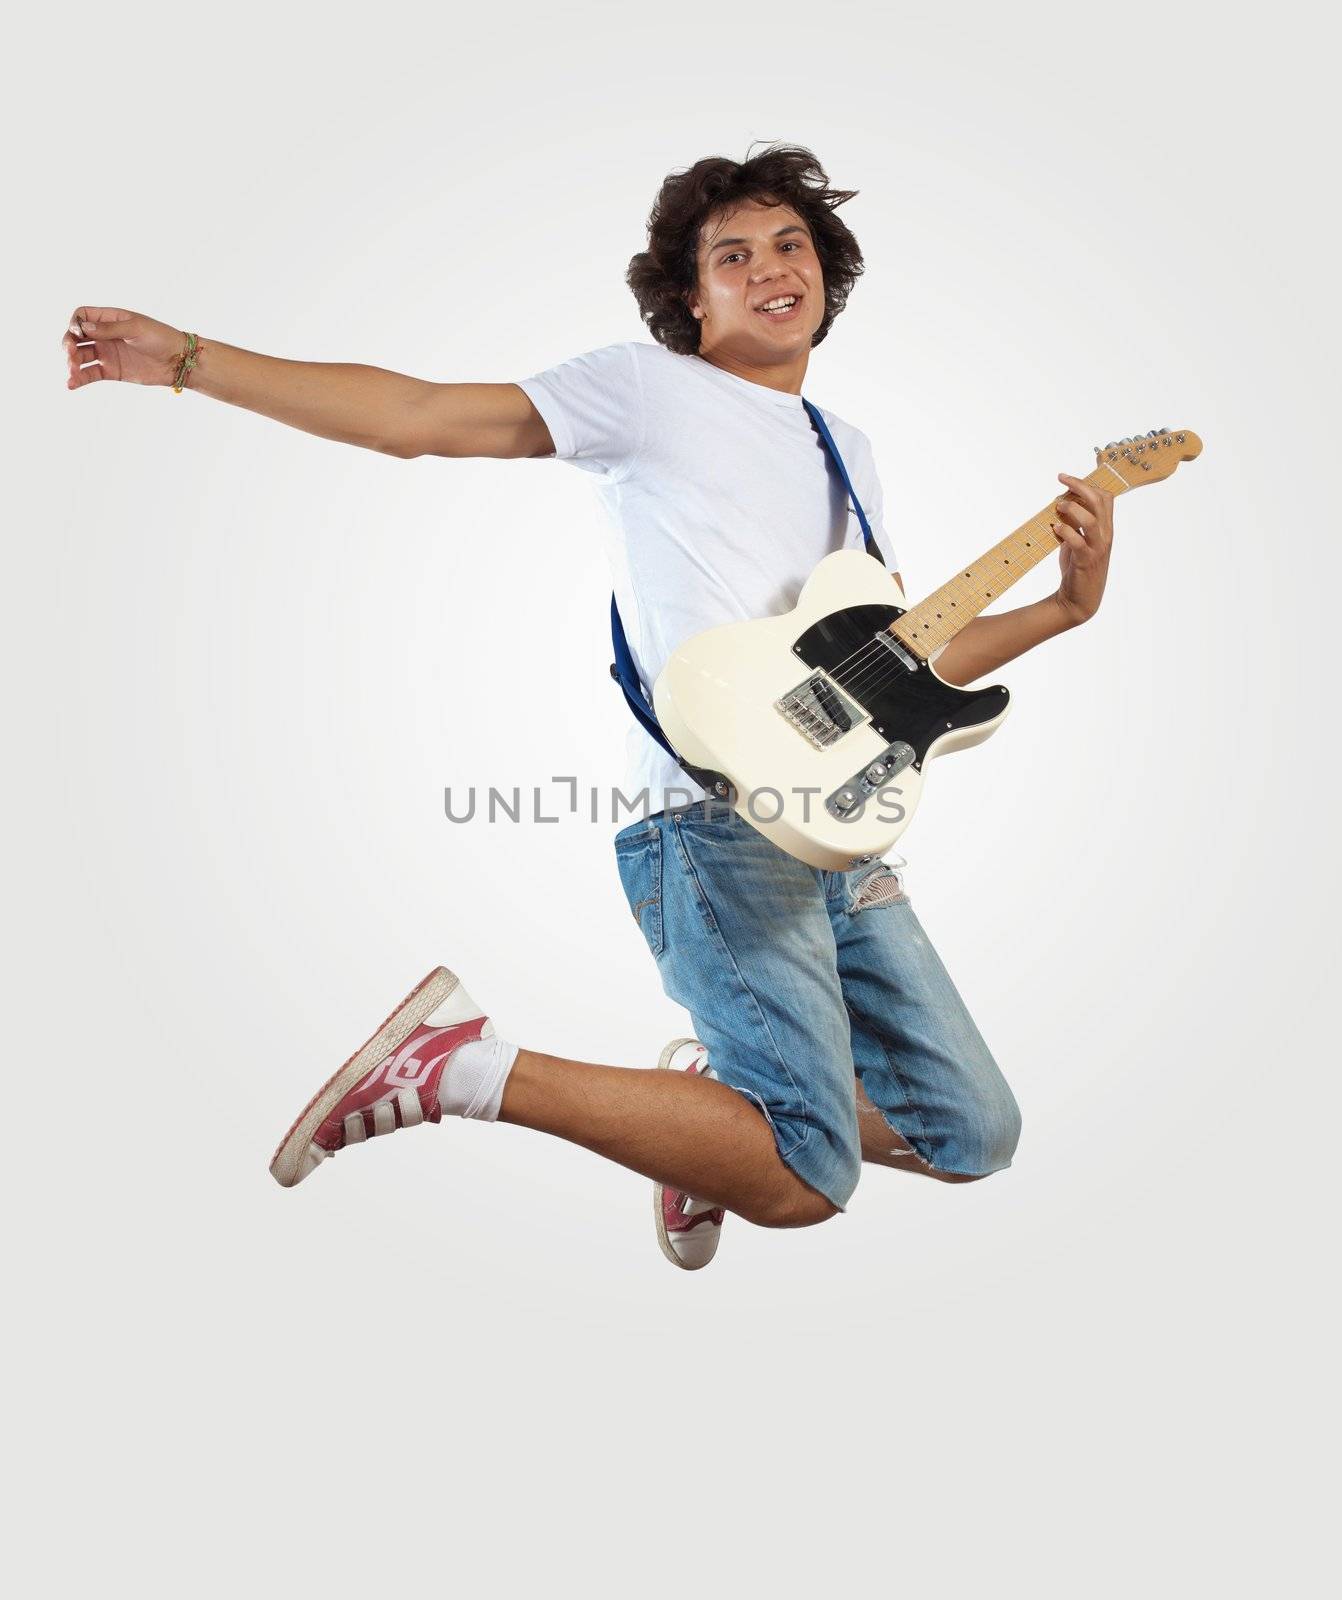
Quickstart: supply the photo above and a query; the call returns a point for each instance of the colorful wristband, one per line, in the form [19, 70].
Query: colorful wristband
[187, 362]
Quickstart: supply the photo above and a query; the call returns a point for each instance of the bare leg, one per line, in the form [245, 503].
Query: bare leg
[677, 1128]
[880, 1143]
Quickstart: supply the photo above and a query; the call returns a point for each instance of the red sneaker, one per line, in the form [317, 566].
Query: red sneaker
[687, 1229]
[389, 1082]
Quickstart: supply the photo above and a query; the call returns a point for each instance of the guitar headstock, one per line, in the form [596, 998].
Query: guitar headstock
[1150, 456]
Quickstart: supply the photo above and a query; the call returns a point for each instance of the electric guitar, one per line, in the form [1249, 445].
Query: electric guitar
[816, 725]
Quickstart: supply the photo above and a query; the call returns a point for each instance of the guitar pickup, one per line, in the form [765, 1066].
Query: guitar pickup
[887, 641]
[854, 794]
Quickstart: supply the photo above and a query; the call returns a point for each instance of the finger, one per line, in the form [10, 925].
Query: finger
[77, 350]
[79, 316]
[1069, 511]
[107, 330]
[1087, 493]
[1068, 536]
[1097, 525]
[106, 324]
[1082, 518]
[97, 314]
[80, 376]
[77, 345]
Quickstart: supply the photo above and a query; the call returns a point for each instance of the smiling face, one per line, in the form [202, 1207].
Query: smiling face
[750, 256]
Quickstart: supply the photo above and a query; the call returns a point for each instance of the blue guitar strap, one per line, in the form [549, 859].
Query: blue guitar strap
[623, 670]
[819, 422]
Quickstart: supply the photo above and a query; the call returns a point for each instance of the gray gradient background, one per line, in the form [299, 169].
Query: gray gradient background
[242, 662]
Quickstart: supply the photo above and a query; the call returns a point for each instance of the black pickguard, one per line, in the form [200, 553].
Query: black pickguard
[916, 707]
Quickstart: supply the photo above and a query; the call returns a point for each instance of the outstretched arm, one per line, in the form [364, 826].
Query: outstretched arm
[347, 402]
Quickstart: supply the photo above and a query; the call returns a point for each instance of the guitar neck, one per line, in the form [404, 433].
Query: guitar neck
[933, 622]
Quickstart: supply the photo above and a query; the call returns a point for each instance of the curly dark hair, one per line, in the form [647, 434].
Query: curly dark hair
[664, 274]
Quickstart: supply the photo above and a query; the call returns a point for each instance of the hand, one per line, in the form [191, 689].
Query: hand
[1086, 531]
[126, 346]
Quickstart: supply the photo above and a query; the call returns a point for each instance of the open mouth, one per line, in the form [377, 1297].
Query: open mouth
[782, 308]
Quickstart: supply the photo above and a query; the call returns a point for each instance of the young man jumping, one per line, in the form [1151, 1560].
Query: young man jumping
[828, 1031]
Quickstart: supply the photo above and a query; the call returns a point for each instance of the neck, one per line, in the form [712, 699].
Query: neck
[786, 375]
[933, 622]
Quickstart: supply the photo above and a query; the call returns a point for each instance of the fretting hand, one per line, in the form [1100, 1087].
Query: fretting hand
[1086, 531]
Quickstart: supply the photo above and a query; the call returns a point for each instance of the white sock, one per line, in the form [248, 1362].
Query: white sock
[472, 1082]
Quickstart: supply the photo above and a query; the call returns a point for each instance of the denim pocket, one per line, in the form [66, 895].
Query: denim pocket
[638, 856]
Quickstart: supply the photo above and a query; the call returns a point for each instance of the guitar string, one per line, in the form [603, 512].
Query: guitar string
[856, 679]
[870, 657]
[896, 670]
[879, 680]
[850, 673]
[863, 671]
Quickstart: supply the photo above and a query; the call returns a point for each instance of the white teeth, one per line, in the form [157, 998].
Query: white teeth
[784, 304]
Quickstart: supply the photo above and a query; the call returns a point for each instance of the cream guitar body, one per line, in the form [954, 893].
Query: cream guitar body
[820, 721]
[817, 726]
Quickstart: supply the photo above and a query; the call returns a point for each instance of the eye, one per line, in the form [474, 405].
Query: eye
[788, 244]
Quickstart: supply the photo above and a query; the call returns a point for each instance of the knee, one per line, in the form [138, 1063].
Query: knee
[1004, 1133]
[786, 1200]
[989, 1142]
[795, 1204]
[801, 1206]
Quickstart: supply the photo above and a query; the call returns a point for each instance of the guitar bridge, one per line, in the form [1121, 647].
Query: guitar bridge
[820, 711]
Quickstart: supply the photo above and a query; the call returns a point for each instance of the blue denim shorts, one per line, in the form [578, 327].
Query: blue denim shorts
[799, 981]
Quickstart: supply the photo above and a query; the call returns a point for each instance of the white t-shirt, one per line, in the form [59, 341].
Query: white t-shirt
[720, 498]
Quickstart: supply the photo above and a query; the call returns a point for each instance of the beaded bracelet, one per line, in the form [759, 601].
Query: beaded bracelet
[187, 362]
